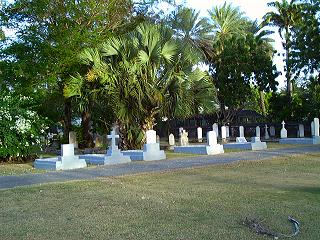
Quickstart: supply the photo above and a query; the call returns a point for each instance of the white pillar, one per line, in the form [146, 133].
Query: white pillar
[199, 133]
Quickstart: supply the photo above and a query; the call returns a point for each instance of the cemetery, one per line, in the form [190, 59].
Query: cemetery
[159, 119]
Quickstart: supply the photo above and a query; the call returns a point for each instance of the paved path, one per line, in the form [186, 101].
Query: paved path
[143, 167]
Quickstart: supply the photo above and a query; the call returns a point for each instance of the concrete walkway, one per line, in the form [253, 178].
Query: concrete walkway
[7, 182]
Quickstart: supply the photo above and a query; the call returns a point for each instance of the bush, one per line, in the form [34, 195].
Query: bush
[20, 127]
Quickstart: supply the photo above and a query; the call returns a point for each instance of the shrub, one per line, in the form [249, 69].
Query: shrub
[20, 127]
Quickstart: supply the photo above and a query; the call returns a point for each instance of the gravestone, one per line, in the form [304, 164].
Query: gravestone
[312, 128]
[228, 131]
[199, 134]
[171, 141]
[258, 131]
[241, 138]
[113, 155]
[301, 130]
[73, 139]
[66, 161]
[184, 140]
[266, 133]
[211, 148]
[158, 139]
[151, 150]
[272, 131]
[215, 127]
[224, 133]
[180, 131]
[316, 127]
[283, 132]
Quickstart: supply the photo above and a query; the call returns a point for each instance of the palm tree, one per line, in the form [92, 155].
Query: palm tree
[145, 74]
[285, 16]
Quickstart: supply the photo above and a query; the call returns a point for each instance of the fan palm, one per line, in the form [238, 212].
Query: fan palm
[145, 74]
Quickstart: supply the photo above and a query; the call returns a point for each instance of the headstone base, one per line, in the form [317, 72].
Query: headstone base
[60, 163]
[246, 146]
[200, 149]
[241, 140]
[150, 152]
[313, 140]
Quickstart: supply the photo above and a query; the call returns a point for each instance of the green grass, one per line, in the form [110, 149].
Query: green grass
[202, 203]
[18, 169]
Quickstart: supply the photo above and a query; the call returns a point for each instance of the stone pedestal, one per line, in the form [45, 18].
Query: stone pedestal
[211, 149]
[113, 155]
[151, 150]
[66, 161]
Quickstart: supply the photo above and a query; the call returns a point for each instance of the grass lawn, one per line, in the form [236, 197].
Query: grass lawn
[18, 169]
[202, 203]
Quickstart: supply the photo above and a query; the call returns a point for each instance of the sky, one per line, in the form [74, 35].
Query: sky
[254, 9]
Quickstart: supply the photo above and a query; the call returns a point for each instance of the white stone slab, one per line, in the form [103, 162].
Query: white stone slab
[316, 127]
[212, 138]
[241, 132]
[241, 140]
[151, 136]
[301, 131]
[258, 131]
[215, 127]
[228, 131]
[199, 134]
[67, 150]
[223, 132]
[312, 128]
[283, 132]
[171, 140]
[266, 133]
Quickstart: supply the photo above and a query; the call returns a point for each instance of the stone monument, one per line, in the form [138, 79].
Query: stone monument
[266, 133]
[73, 139]
[113, 155]
[241, 138]
[283, 132]
[199, 134]
[171, 141]
[66, 161]
[301, 130]
[258, 131]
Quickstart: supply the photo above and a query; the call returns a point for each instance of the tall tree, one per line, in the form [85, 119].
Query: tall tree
[50, 34]
[285, 17]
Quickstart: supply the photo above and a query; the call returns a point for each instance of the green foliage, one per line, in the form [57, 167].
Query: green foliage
[20, 127]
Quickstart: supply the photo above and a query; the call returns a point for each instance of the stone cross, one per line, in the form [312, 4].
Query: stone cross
[316, 127]
[266, 134]
[113, 137]
[257, 131]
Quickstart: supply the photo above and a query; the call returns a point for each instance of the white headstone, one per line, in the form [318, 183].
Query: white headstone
[67, 150]
[158, 139]
[272, 131]
[228, 131]
[212, 138]
[215, 127]
[255, 140]
[184, 140]
[73, 139]
[171, 140]
[241, 131]
[180, 130]
[301, 130]
[316, 127]
[283, 133]
[266, 133]
[312, 128]
[151, 136]
[257, 131]
[113, 137]
[223, 132]
[199, 133]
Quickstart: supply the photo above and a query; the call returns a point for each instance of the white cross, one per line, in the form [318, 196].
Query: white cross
[113, 137]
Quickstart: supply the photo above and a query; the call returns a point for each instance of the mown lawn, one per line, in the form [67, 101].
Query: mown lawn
[202, 203]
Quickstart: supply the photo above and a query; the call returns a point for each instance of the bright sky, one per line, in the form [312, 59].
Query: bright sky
[254, 9]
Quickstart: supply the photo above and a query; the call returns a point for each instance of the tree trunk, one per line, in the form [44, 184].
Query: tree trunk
[262, 104]
[67, 117]
[288, 64]
[87, 137]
